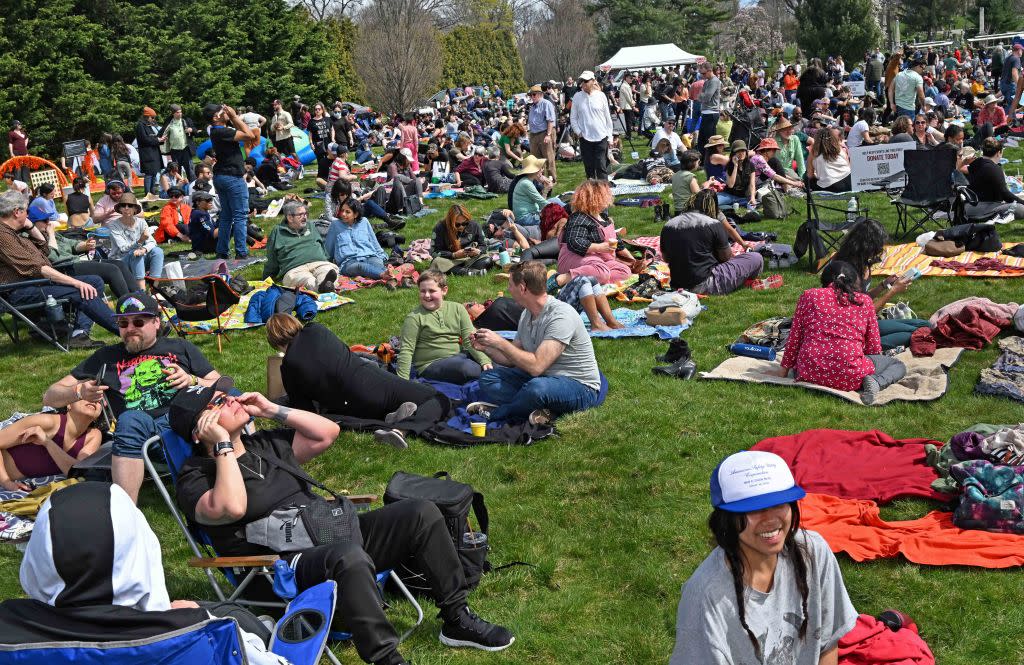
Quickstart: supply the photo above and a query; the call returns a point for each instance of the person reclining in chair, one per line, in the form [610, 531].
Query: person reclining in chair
[549, 369]
[140, 376]
[296, 257]
[235, 479]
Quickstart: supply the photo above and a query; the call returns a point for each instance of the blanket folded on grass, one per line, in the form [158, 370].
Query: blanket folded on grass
[897, 259]
[857, 465]
[234, 318]
[635, 326]
[855, 527]
[926, 380]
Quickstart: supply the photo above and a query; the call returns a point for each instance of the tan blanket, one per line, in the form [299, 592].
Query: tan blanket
[926, 379]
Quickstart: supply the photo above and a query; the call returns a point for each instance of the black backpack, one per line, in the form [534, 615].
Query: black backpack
[455, 500]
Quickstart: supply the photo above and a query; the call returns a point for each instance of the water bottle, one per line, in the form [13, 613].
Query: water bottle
[851, 209]
[753, 351]
[54, 312]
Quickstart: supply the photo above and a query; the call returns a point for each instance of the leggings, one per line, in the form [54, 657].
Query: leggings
[888, 370]
[114, 274]
[546, 251]
[897, 332]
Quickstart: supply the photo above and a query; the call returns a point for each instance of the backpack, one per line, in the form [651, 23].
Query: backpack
[774, 204]
[454, 500]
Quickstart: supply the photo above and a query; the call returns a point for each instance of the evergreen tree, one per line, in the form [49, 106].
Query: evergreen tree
[690, 24]
[837, 27]
[465, 62]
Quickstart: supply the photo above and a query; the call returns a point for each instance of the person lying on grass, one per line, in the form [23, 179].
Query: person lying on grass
[436, 337]
[834, 340]
[771, 592]
[549, 369]
[48, 444]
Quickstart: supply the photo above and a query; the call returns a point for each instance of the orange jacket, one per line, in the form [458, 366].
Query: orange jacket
[167, 230]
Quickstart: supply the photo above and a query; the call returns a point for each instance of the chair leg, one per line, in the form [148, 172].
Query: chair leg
[404, 590]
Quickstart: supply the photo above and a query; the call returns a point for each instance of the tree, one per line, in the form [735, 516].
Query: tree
[561, 45]
[464, 66]
[929, 15]
[322, 10]
[837, 27]
[689, 23]
[397, 54]
[752, 36]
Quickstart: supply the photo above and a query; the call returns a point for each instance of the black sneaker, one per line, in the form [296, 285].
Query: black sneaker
[84, 342]
[466, 629]
[328, 285]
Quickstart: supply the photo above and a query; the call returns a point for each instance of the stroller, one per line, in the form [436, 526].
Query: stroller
[748, 123]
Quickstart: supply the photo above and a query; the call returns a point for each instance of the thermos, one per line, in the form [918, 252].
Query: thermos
[753, 351]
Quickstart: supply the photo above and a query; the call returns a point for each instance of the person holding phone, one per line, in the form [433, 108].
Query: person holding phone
[458, 243]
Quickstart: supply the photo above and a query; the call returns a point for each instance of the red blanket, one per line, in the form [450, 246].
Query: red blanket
[855, 527]
[857, 465]
[872, 643]
[970, 328]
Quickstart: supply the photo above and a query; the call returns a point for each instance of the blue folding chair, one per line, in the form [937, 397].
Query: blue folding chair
[239, 571]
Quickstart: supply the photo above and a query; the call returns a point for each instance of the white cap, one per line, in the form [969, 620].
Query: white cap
[753, 480]
[587, 76]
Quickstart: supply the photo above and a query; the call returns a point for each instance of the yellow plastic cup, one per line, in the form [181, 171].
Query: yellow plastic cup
[479, 429]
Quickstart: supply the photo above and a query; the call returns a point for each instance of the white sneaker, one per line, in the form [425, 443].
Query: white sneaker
[541, 417]
[481, 409]
[391, 437]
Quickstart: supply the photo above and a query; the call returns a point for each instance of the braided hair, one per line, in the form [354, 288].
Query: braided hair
[843, 278]
[705, 202]
[726, 528]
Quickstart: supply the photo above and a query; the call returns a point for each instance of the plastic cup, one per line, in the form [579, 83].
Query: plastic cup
[479, 429]
[503, 257]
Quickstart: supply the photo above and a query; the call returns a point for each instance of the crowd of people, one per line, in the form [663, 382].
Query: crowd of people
[726, 137]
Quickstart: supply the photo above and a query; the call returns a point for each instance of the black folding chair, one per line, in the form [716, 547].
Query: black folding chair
[829, 217]
[220, 297]
[31, 315]
[928, 199]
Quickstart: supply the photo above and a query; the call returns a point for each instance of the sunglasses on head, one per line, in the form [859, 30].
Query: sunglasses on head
[135, 323]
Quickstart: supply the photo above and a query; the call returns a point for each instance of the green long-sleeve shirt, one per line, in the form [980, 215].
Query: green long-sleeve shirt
[429, 336]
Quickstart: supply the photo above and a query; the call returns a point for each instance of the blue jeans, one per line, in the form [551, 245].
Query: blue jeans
[373, 209]
[371, 267]
[517, 394]
[149, 182]
[726, 200]
[89, 311]
[1009, 91]
[234, 214]
[133, 429]
[910, 113]
[151, 263]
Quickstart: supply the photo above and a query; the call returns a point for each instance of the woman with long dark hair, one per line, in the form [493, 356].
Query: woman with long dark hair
[828, 165]
[811, 87]
[459, 244]
[771, 592]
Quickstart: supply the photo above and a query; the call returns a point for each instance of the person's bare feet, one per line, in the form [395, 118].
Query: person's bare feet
[598, 326]
[615, 324]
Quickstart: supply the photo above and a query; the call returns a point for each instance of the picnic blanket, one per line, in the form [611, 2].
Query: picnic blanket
[927, 378]
[854, 526]
[898, 259]
[635, 326]
[390, 272]
[867, 465]
[203, 267]
[234, 318]
[622, 190]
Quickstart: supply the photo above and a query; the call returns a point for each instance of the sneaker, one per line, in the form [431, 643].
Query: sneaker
[869, 389]
[404, 410]
[466, 629]
[391, 437]
[328, 285]
[541, 417]
[83, 341]
[552, 286]
[408, 283]
[481, 409]
[391, 285]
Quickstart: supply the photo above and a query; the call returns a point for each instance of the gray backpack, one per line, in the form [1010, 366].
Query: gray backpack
[774, 204]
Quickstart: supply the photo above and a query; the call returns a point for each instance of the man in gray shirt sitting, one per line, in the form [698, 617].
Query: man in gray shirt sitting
[549, 369]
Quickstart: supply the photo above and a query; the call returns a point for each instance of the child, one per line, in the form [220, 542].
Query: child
[436, 337]
[684, 182]
[174, 218]
[201, 229]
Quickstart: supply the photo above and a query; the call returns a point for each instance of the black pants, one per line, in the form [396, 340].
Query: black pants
[629, 119]
[391, 535]
[546, 250]
[94, 310]
[708, 128]
[114, 274]
[184, 160]
[595, 158]
[468, 180]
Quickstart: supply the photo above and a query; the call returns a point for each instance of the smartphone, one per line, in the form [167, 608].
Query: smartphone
[912, 274]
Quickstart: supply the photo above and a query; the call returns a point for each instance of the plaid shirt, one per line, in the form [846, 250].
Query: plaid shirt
[21, 258]
[581, 231]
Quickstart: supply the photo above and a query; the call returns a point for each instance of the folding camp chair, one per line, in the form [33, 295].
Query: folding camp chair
[829, 217]
[32, 314]
[220, 297]
[238, 571]
[929, 196]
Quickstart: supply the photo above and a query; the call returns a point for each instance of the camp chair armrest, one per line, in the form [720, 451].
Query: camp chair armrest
[256, 561]
[362, 498]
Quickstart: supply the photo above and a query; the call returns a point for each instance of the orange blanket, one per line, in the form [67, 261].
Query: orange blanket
[855, 527]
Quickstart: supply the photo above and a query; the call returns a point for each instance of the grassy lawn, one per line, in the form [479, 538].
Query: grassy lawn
[612, 511]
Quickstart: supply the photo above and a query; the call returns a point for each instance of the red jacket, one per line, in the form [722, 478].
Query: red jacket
[167, 230]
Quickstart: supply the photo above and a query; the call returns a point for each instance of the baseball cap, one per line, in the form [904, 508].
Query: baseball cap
[136, 303]
[587, 76]
[189, 403]
[753, 480]
[201, 196]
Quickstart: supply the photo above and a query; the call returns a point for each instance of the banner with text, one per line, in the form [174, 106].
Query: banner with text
[878, 166]
[856, 88]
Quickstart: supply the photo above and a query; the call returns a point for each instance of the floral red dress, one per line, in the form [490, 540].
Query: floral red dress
[830, 341]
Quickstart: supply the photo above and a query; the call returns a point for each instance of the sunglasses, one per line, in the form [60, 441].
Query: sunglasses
[217, 402]
[462, 225]
[135, 323]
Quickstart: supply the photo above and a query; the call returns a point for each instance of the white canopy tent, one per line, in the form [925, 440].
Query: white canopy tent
[652, 55]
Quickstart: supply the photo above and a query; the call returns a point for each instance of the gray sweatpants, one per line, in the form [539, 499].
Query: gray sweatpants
[888, 370]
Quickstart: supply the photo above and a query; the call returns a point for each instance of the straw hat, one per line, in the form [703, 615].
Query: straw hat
[532, 164]
[782, 123]
[991, 99]
[129, 199]
[717, 139]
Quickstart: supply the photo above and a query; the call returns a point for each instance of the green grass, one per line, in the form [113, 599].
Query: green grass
[612, 510]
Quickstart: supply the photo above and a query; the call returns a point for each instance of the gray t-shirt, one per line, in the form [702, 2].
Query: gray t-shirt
[560, 322]
[708, 629]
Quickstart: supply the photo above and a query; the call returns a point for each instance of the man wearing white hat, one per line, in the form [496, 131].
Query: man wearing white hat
[541, 123]
[592, 121]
